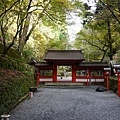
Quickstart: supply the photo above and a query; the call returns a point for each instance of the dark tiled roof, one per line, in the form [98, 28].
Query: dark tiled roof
[94, 64]
[43, 64]
[64, 55]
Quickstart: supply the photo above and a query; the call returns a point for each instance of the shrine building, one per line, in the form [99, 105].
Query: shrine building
[69, 66]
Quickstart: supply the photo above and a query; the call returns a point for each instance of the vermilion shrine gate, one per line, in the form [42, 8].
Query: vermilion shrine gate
[69, 66]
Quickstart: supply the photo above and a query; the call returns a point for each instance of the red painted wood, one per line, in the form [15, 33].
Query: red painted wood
[107, 82]
[38, 78]
[46, 76]
[54, 73]
[74, 68]
[119, 84]
[87, 76]
[87, 79]
[73, 73]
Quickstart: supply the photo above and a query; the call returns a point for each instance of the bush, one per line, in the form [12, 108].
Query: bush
[15, 80]
[14, 64]
[113, 83]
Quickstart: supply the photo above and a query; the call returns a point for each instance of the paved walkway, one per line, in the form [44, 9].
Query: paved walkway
[69, 103]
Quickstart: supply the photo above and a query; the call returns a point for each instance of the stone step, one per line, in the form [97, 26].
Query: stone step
[62, 84]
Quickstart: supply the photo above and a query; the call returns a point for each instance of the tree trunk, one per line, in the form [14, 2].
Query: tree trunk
[110, 40]
[110, 46]
[6, 49]
[23, 34]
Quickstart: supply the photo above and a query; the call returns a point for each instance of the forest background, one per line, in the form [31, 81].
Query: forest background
[33, 27]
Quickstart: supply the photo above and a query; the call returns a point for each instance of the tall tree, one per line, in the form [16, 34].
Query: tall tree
[23, 16]
[108, 28]
[114, 8]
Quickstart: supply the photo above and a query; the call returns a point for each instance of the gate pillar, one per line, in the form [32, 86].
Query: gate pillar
[117, 68]
[107, 73]
[73, 73]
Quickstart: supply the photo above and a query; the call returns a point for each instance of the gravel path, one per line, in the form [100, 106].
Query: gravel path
[69, 103]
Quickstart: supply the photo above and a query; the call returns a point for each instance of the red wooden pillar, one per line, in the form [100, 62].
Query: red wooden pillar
[73, 73]
[107, 80]
[37, 78]
[107, 73]
[87, 80]
[54, 73]
[118, 73]
[119, 84]
[117, 68]
[87, 76]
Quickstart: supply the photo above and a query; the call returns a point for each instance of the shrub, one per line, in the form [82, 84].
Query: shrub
[15, 80]
[113, 82]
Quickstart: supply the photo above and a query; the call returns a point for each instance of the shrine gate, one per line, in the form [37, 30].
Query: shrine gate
[69, 66]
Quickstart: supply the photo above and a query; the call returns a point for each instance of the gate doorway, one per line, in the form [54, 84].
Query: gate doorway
[64, 73]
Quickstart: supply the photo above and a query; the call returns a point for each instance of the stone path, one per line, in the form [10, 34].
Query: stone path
[69, 103]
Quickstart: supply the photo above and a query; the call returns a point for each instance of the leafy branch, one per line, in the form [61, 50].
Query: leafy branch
[107, 6]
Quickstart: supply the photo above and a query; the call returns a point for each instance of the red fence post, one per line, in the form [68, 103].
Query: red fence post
[107, 80]
[87, 76]
[107, 73]
[117, 68]
[37, 79]
[119, 84]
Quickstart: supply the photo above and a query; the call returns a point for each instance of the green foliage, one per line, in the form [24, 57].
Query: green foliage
[92, 41]
[113, 83]
[101, 30]
[18, 19]
[12, 64]
[13, 89]
[117, 58]
[28, 53]
[16, 78]
[12, 52]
